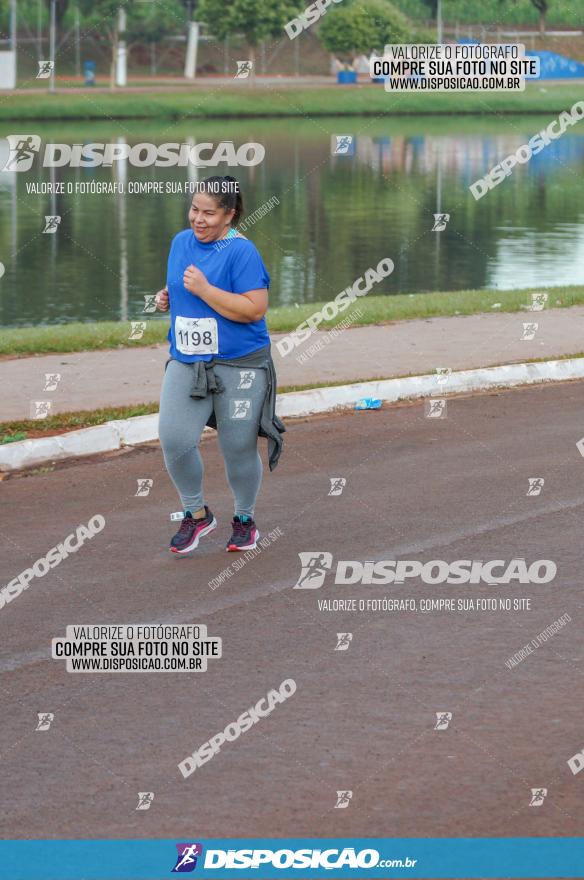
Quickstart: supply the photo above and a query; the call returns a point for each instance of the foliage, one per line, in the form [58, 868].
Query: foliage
[256, 19]
[366, 25]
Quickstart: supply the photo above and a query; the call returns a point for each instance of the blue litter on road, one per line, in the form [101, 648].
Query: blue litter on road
[368, 403]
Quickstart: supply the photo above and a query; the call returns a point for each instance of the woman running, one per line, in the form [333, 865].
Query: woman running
[220, 372]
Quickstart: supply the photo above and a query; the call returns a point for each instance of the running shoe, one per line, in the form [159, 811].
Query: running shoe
[244, 535]
[191, 529]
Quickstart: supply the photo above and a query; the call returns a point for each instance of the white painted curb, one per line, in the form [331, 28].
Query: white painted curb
[144, 429]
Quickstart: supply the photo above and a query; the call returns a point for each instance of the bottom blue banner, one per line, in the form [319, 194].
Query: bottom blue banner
[369, 857]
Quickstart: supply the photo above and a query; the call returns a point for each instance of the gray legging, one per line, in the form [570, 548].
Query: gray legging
[237, 410]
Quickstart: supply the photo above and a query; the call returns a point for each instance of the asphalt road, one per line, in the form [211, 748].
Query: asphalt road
[361, 719]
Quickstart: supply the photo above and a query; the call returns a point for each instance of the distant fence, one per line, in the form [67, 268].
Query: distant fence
[302, 56]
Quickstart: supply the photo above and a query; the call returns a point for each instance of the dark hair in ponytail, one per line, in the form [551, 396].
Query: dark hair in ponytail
[226, 192]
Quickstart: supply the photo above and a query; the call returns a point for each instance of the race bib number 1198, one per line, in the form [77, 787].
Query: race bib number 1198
[196, 335]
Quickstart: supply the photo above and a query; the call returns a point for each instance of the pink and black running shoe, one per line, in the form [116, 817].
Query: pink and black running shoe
[244, 535]
[191, 531]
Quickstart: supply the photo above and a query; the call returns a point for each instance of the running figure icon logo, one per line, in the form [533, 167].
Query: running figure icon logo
[45, 719]
[51, 223]
[314, 569]
[443, 719]
[537, 797]
[187, 857]
[40, 409]
[137, 329]
[443, 375]
[538, 302]
[45, 68]
[435, 408]
[240, 409]
[51, 381]
[244, 68]
[246, 378]
[337, 485]
[440, 222]
[145, 799]
[23, 148]
[536, 484]
[529, 330]
[343, 145]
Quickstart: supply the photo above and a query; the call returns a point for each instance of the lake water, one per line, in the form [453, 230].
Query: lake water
[337, 214]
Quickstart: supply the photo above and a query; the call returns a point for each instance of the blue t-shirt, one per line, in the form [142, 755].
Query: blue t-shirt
[232, 264]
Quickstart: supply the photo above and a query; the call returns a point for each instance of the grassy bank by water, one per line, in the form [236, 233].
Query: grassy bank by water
[62, 338]
[216, 102]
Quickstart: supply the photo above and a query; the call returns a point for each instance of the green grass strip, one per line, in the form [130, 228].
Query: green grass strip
[209, 102]
[64, 338]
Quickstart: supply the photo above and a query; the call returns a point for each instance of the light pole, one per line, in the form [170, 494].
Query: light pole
[13, 28]
[438, 21]
[121, 59]
[52, 41]
[191, 54]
